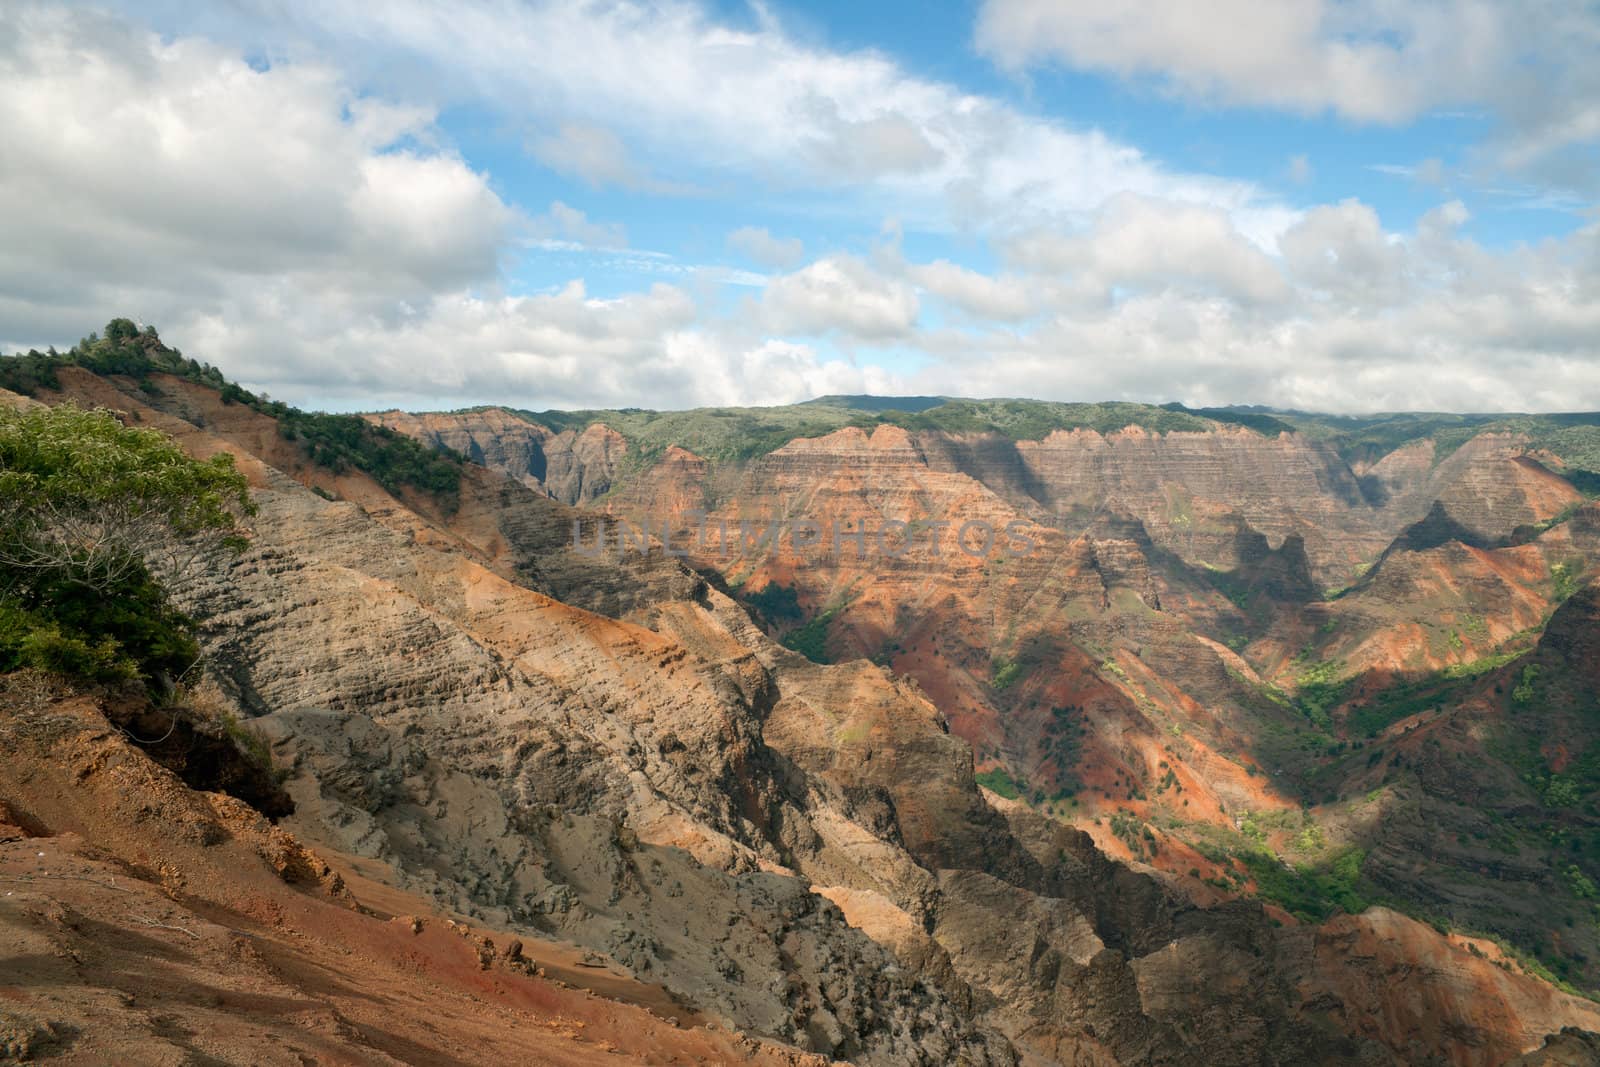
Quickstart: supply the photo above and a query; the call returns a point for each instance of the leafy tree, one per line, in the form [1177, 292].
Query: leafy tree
[336, 441]
[86, 500]
[93, 515]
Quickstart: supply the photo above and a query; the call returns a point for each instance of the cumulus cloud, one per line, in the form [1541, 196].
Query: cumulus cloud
[1368, 321]
[1004, 299]
[672, 80]
[840, 294]
[1343, 250]
[563, 349]
[328, 244]
[1365, 60]
[142, 176]
[279, 224]
[868, 148]
[1138, 243]
[1530, 61]
[181, 152]
[779, 253]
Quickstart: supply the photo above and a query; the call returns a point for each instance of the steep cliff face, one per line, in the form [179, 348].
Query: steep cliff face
[144, 922]
[1208, 632]
[1193, 490]
[575, 467]
[605, 750]
[1489, 486]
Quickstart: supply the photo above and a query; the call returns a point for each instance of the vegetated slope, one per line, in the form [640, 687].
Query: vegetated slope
[582, 455]
[1204, 657]
[612, 754]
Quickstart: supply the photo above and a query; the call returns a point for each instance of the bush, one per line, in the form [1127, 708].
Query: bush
[779, 603]
[86, 505]
[1005, 674]
[48, 648]
[1000, 782]
[1310, 893]
[335, 441]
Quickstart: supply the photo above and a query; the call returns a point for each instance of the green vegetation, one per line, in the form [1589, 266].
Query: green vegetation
[1579, 884]
[90, 512]
[335, 441]
[1527, 685]
[1558, 792]
[1004, 674]
[1133, 832]
[1437, 690]
[778, 603]
[1566, 578]
[737, 434]
[1261, 422]
[999, 781]
[1112, 667]
[716, 434]
[1575, 437]
[393, 460]
[1528, 533]
[1032, 420]
[1312, 893]
[1064, 735]
[811, 640]
[1319, 689]
[865, 402]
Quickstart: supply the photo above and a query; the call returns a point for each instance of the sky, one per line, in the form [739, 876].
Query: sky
[1334, 205]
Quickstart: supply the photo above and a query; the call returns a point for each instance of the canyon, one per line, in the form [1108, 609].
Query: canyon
[1265, 749]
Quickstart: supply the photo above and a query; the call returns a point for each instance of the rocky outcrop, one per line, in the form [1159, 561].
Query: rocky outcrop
[573, 466]
[1572, 1047]
[608, 751]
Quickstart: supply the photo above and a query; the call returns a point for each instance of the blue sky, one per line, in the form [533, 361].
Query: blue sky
[1349, 205]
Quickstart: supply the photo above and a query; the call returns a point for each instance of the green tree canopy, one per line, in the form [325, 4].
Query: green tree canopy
[84, 498]
[92, 515]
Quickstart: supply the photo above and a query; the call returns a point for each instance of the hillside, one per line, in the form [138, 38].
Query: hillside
[1217, 656]
[615, 760]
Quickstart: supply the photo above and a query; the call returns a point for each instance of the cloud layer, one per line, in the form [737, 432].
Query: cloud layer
[326, 243]
[1530, 62]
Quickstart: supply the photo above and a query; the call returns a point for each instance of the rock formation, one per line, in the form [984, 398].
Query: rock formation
[610, 758]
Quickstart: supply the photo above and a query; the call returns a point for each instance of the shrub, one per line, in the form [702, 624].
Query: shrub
[999, 781]
[90, 510]
[336, 441]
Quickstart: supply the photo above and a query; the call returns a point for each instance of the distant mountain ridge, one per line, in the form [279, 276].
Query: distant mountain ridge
[1277, 747]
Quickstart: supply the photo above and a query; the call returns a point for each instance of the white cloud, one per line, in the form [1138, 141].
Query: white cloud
[570, 227]
[1531, 62]
[869, 148]
[742, 104]
[779, 253]
[844, 294]
[1365, 60]
[265, 221]
[597, 156]
[1005, 299]
[1300, 170]
[1343, 250]
[330, 247]
[1141, 244]
[1372, 321]
[563, 349]
[122, 149]
[145, 177]
[1430, 172]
